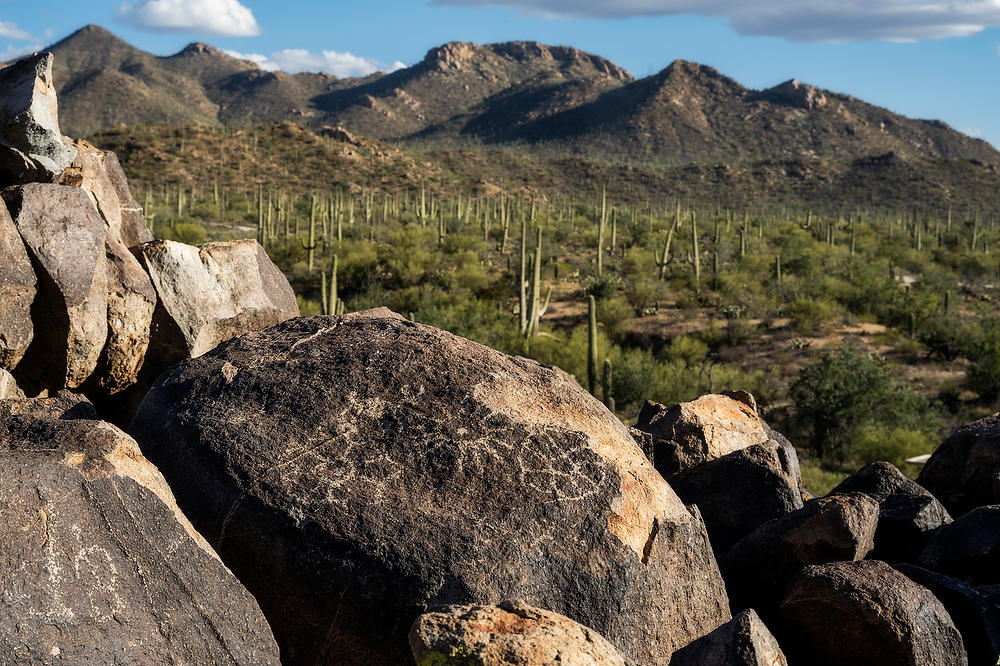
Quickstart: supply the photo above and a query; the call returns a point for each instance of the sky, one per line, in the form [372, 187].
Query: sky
[921, 58]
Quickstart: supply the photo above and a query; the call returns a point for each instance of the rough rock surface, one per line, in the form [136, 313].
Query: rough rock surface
[29, 123]
[908, 514]
[743, 641]
[17, 292]
[9, 389]
[741, 490]
[975, 611]
[867, 613]
[65, 235]
[99, 564]
[692, 433]
[968, 548]
[512, 633]
[353, 471]
[758, 567]
[964, 472]
[64, 405]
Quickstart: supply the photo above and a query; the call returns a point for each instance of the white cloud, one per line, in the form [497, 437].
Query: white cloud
[9, 30]
[341, 65]
[796, 20]
[14, 52]
[974, 133]
[215, 17]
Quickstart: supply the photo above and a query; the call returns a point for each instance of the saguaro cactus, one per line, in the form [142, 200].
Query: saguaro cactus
[607, 389]
[592, 346]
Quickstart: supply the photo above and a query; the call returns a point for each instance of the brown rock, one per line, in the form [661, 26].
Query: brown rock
[743, 641]
[100, 566]
[65, 236]
[512, 633]
[968, 548]
[17, 292]
[9, 389]
[867, 613]
[692, 433]
[964, 472]
[64, 405]
[354, 471]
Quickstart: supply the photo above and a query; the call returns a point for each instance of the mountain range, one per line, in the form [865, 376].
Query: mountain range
[527, 94]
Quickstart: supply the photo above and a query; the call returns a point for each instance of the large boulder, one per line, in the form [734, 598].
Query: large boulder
[864, 613]
[100, 566]
[908, 514]
[758, 567]
[9, 390]
[33, 147]
[968, 548]
[65, 235]
[354, 471]
[964, 472]
[17, 292]
[691, 433]
[743, 641]
[512, 633]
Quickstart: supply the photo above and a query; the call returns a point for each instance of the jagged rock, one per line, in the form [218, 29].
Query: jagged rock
[744, 641]
[101, 567]
[512, 633]
[17, 292]
[65, 235]
[35, 149]
[968, 548]
[975, 611]
[741, 490]
[355, 470]
[692, 433]
[64, 405]
[209, 294]
[9, 389]
[832, 529]
[864, 613]
[964, 472]
[99, 173]
[908, 514]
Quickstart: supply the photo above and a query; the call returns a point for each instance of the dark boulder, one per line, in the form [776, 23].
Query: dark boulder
[354, 471]
[968, 548]
[964, 472]
[743, 641]
[863, 613]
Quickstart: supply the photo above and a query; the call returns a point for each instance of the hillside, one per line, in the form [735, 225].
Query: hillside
[552, 98]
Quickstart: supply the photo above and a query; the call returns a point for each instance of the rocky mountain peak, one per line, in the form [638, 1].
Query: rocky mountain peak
[451, 55]
[795, 93]
[200, 48]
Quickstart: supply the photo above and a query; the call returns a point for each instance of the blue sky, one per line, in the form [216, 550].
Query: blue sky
[920, 58]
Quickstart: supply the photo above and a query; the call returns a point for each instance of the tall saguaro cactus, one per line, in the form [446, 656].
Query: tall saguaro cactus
[592, 345]
[537, 309]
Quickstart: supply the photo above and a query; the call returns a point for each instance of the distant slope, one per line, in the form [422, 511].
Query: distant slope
[517, 92]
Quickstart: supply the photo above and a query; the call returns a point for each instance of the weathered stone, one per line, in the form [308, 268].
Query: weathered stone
[65, 235]
[17, 292]
[975, 612]
[864, 613]
[908, 514]
[743, 641]
[692, 433]
[9, 389]
[29, 122]
[740, 491]
[100, 566]
[968, 548]
[64, 405]
[209, 294]
[964, 472]
[758, 567]
[512, 633]
[355, 470]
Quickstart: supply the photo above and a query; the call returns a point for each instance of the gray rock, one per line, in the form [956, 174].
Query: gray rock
[9, 389]
[17, 292]
[64, 405]
[908, 514]
[101, 567]
[354, 471]
[512, 633]
[964, 472]
[832, 529]
[29, 123]
[968, 548]
[867, 613]
[65, 236]
[743, 641]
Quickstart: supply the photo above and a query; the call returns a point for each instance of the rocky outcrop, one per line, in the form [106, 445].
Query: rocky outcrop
[512, 633]
[908, 514]
[964, 472]
[9, 389]
[968, 548]
[867, 613]
[101, 567]
[355, 470]
[743, 641]
[17, 292]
